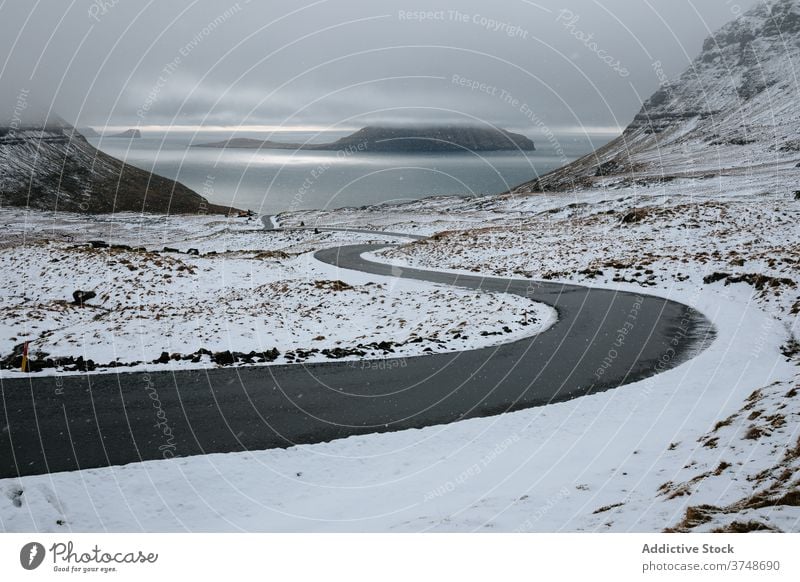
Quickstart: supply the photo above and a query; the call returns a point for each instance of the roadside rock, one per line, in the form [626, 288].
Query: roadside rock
[225, 358]
[80, 297]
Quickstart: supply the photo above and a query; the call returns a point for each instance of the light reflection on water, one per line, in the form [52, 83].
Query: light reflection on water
[271, 181]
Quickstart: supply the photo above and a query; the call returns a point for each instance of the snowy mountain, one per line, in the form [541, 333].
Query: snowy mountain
[734, 107]
[47, 164]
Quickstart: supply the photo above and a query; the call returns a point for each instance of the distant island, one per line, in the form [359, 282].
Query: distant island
[130, 134]
[442, 138]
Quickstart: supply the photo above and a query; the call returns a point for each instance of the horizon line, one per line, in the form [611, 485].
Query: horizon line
[262, 128]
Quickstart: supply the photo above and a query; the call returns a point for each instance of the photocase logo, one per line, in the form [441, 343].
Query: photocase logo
[31, 555]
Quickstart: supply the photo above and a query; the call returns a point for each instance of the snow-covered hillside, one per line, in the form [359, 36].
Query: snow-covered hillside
[227, 293]
[735, 107]
[48, 165]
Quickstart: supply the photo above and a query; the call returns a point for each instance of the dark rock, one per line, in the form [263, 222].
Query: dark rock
[170, 250]
[37, 365]
[336, 285]
[271, 355]
[80, 297]
[162, 359]
[757, 280]
[193, 252]
[224, 358]
[636, 215]
[98, 244]
[591, 273]
[337, 353]
[13, 362]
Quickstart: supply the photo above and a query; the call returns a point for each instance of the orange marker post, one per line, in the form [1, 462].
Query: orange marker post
[24, 367]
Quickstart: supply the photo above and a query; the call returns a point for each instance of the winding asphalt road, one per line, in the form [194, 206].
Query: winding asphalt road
[50, 424]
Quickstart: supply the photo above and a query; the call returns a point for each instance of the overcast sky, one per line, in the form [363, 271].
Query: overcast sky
[344, 63]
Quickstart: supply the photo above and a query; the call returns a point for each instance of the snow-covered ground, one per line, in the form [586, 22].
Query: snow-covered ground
[554, 468]
[715, 244]
[672, 237]
[719, 432]
[245, 290]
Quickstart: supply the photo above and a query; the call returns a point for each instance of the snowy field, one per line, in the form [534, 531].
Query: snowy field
[607, 462]
[246, 290]
[710, 445]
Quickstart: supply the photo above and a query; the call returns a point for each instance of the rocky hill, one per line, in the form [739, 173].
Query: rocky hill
[49, 165]
[735, 107]
[445, 138]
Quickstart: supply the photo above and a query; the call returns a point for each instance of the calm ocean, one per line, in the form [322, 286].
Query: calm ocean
[271, 181]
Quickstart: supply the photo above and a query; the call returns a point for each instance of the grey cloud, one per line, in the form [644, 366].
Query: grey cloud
[126, 62]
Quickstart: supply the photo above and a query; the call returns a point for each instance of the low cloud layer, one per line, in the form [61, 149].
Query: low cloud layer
[519, 64]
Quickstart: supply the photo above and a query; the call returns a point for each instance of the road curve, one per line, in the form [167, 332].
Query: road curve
[50, 424]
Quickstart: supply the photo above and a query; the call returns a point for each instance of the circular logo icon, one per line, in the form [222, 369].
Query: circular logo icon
[31, 555]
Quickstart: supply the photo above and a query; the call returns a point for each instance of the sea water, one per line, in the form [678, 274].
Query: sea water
[271, 181]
